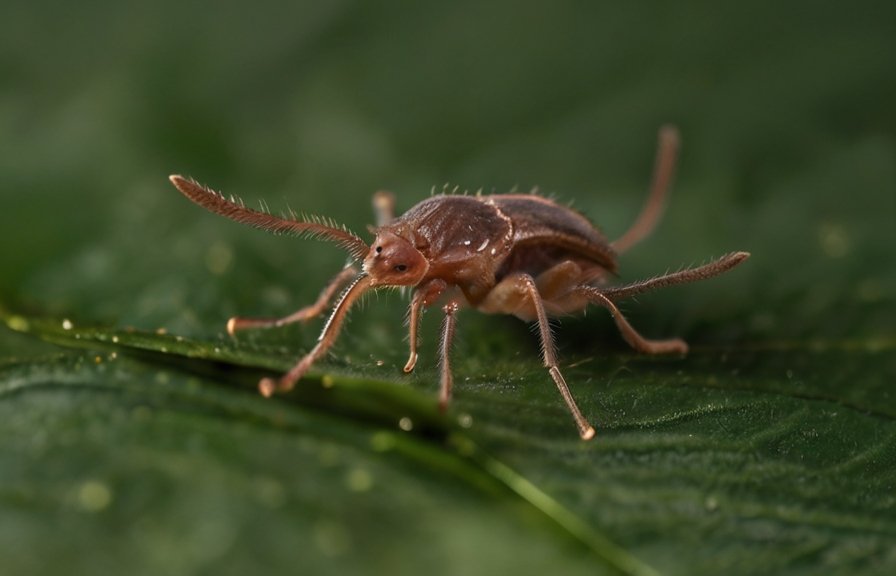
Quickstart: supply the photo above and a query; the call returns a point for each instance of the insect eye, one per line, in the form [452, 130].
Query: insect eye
[401, 267]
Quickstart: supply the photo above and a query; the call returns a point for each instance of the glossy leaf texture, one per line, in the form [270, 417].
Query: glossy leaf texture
[132, 437]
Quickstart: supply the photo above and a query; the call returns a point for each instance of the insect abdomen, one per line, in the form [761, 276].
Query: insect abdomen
[540, 221]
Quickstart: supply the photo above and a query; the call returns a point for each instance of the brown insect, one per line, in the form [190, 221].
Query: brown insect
[518, 254]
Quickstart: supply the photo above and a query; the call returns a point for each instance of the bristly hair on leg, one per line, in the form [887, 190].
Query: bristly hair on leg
[235, 210]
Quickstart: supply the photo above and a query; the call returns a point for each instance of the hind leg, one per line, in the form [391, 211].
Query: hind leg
[629, 334]
[606, 296]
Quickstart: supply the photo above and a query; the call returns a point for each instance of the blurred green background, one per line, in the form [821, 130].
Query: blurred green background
[771, 448]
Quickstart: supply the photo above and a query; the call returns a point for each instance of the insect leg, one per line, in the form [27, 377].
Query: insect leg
[663, 170]
[305, 313]
[423, 296]
[446, 380]
[635, 340]
[361, 284]
[384, 207]
[586, 431]
[413, 325]
[518, 294]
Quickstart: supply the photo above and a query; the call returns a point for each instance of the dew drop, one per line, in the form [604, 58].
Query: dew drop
[382, 442]
[359, 480]
[834, 240]
[218, 258]
[331, 537]
[269, 492]
[94, 496]
[18, 323]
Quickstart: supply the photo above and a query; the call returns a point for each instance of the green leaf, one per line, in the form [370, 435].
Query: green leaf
[433, 450]
[766, 457]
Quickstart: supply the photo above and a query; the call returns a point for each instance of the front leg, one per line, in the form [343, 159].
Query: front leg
[306, 313]
[423, 297]
[360, 285]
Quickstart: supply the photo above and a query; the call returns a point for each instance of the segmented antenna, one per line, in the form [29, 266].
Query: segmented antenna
[234, 209]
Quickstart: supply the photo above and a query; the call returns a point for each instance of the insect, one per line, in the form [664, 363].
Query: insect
[519, 254]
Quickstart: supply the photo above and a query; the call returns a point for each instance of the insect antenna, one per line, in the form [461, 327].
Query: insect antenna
[237, 211]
